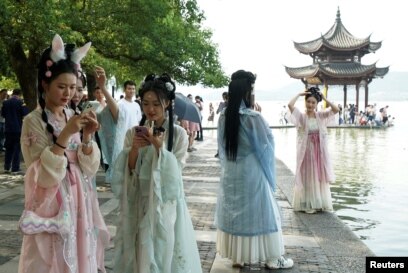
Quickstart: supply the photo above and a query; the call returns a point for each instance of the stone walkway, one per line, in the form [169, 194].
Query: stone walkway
[316, 243]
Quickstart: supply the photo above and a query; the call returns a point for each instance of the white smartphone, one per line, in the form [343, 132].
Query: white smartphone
[88, 107]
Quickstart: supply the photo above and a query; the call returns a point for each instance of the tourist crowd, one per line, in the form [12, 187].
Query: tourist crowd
[371, 116]
[142, 146]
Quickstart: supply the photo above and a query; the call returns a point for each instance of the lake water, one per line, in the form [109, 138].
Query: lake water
[370, 193]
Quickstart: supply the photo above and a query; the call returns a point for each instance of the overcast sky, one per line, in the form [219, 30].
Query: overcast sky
[258, 35]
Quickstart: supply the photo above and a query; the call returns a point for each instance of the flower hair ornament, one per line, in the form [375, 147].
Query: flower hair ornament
[48, 73]
[171, 88]
[58, 53]
[166, 80]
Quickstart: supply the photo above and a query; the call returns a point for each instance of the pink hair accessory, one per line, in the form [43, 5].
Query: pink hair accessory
[48, 63]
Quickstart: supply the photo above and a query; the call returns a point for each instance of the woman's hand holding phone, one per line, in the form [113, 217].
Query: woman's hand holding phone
[139, 140]
[146, 137]
[141, 131]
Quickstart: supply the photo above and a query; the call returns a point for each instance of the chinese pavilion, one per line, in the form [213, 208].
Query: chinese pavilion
[337, 61]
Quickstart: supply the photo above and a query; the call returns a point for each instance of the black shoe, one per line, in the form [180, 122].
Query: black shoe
[238, 265]
[216, 155]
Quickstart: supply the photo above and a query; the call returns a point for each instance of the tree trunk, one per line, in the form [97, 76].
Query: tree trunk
[91, 84]
[26, 72]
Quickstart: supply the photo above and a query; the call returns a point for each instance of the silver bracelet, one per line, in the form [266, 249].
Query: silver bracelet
[88, 144]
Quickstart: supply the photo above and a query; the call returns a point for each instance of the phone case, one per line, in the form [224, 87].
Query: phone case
[88, 107]
[140, 130]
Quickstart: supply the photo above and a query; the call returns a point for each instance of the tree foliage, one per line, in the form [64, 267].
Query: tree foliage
[130, 38]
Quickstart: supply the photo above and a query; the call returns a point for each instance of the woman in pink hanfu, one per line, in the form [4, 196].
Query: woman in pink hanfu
[60, 167]
[314, 171]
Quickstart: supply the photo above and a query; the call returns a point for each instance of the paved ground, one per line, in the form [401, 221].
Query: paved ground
[316, 243]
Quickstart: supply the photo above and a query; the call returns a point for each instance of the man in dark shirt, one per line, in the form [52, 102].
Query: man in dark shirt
[3, 97]
[224, 102]
[13, 111]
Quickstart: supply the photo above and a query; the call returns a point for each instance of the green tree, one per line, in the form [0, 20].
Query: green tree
[130, 38]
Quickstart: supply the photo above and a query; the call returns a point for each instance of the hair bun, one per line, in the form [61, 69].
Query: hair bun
[164, 80]
[244, 75]
[315, 92]
[150, 77]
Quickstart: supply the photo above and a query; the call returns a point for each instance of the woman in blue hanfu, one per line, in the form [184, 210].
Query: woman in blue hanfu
[247, 215]
[112, 119]
[154, 231]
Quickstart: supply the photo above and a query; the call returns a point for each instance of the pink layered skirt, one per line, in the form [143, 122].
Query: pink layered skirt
[314, 191]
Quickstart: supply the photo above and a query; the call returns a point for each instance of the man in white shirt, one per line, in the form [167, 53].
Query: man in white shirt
[131, 109]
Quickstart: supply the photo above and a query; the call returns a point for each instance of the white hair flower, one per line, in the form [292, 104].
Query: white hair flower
[169, 87]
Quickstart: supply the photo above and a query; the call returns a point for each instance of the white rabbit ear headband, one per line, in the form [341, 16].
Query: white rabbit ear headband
[58, 53]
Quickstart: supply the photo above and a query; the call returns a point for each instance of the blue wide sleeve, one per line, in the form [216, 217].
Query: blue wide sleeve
[260, 135]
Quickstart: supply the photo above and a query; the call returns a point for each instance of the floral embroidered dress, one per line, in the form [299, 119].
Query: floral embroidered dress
[247, 214]
[51, 186]
[314, 171]
[155, 233]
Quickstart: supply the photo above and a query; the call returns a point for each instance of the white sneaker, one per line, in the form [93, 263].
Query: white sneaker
[310, 211]
[279, 263]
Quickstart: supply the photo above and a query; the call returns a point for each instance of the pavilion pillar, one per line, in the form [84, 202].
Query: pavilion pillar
[357, 94]
[344, 96]
[325, 93]
[366, 96]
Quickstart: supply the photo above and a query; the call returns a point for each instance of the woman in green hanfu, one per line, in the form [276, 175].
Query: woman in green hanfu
[154, 232]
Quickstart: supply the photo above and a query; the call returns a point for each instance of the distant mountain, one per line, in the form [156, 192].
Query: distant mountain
[393, 87]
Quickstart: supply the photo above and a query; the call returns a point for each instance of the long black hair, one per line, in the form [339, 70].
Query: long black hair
[165, 88]
[239, 89]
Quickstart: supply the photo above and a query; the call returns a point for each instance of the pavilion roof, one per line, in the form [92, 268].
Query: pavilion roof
[338, 38]
[337, 70]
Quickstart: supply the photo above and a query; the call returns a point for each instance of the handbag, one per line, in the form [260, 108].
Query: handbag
[31, 223]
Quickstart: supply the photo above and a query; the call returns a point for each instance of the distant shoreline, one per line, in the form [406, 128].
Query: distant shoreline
[329, 127]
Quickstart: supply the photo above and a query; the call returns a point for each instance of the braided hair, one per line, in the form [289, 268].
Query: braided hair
[48, 71]
[164, 87]
[239, 89]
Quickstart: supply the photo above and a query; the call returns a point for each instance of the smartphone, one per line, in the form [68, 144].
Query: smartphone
[88, 107]
[141, 131]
